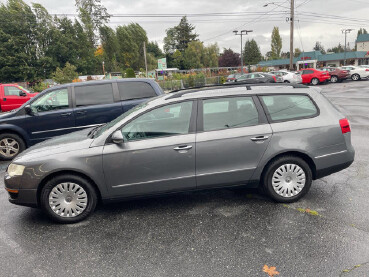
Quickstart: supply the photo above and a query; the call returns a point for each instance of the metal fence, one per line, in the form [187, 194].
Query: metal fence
[169, 85]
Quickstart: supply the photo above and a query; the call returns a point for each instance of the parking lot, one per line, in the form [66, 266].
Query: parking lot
[226, 232]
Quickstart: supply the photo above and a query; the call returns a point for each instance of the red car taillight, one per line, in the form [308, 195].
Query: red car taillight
[275, 79]
[345, 125]
[367, 69]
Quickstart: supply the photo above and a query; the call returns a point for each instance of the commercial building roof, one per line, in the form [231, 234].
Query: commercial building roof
[362, 38]
[316, 55]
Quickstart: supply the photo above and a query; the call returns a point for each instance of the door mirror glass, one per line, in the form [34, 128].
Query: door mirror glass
[117, 137]
[28, 110]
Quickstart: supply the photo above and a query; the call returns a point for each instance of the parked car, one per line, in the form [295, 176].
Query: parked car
[12, 96]
[288, 77]
[258, 77]
[357, 73]
[280, 138]
[337, 74]
[314, 76]
[233, 77]
[63, 109]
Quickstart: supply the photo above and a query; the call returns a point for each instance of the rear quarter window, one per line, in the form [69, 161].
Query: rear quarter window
[289, 107]
[135, 90]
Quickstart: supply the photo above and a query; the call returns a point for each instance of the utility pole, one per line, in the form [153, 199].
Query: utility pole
[243, 32]
[292, 23]
[345, 31]
[145, 57]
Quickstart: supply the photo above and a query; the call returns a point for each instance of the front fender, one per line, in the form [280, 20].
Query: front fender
[10, 128]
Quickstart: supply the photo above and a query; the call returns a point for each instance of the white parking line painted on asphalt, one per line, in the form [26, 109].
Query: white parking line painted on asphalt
[9, 242]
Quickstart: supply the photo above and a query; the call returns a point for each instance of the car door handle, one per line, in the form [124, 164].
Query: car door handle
[65, 114]
[260, 138]
[81, 112]
[183, 147]
[4, 99]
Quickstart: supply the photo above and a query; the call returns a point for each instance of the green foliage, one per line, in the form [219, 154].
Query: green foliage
[252, 53]
[276, 45]
[337, 49]
[66, 74]
[153, 48]
[130, 73]
[198, 56]
[362, 31]
[38, 87]
[319, 47]
[297, 52]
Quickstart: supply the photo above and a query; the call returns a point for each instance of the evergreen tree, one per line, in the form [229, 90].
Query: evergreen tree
[251, 53]
[319, 47]
[276, 45]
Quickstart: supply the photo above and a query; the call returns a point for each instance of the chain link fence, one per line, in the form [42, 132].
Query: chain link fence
[169, 85]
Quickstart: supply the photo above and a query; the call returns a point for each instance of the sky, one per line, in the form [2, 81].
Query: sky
[315, 20]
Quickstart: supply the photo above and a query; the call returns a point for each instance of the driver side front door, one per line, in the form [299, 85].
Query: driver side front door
[158, 154]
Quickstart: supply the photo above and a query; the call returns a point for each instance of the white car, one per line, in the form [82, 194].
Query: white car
[288, 77]
[356, 72]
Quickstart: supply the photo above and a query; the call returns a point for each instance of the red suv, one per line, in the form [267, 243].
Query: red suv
[13, 96]
[314, 76]
[337, 75]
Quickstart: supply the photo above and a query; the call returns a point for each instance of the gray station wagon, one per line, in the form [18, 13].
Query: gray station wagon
[278, 137]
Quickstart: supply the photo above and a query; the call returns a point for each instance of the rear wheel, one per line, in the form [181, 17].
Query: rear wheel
[68, 198]
[10, 146]
[355, 77]
[334, 79]
[287, 179]
[315, 81]
[286, 81]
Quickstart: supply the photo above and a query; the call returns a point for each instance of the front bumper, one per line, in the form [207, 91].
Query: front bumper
[24, 197]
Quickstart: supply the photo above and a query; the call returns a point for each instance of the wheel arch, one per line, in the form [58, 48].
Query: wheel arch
[299, 154]
[65, 172]
[6, 129]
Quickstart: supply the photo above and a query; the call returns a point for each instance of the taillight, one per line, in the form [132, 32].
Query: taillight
[367, 69]
[275, 79]
[345, 125]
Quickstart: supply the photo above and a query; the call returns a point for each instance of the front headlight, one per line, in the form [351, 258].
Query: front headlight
[15, 170]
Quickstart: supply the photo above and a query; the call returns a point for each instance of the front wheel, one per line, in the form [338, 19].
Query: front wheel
[334, 79]
[10, 146]
[315, 81]
[355, 77]
[287, 179]
[68, 198]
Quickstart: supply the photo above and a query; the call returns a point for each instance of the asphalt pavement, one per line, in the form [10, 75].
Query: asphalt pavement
[226, 232]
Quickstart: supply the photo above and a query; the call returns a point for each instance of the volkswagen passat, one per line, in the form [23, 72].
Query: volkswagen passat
[279, 137]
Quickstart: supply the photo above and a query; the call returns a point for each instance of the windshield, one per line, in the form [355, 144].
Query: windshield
[108, 125]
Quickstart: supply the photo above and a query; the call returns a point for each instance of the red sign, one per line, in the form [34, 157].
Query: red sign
[305, 58]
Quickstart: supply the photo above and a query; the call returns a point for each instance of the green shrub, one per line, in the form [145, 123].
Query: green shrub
[38, 87]
[130, 73]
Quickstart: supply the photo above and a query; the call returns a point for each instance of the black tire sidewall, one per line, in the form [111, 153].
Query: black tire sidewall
[21, 143]
[267, 180]
[91, 198]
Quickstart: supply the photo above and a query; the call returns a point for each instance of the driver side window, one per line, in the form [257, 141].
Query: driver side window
[53, 100]
[168, 120]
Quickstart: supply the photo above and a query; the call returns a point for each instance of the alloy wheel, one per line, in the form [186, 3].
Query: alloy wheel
[9, 147]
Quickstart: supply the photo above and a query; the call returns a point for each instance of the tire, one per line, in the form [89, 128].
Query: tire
[287, 81]
[292, 188]
[315, 81]
[10, 146]
[334, 79]
[355, 77]
[64, 198]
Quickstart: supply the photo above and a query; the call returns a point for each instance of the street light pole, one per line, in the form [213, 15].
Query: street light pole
[243, 32]
[345, 31]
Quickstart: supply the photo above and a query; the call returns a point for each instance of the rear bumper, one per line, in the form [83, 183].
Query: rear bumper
[332, 169]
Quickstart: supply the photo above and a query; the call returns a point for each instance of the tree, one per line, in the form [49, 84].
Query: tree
[276, 45]
[193, 55]
[110, 48]
[361, 32]
[93, 15]
[337, 49]
[130, 73]
[229, 58]
[297, 52]
[210, 56]
[153, 48]
[319, 47]
[66, 74]
[179, 37]
[252, 53]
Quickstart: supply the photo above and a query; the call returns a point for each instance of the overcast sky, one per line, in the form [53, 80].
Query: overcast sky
[324, 25]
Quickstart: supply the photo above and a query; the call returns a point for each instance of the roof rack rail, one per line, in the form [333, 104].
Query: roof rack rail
[180, 92]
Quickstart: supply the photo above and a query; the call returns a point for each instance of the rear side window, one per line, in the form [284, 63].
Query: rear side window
[135, 90]
[289, 107]
[94, 95]
[232, 112]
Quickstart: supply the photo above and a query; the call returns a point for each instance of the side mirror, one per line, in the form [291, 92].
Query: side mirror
[117, 137]
[22, 93]
[28, 110]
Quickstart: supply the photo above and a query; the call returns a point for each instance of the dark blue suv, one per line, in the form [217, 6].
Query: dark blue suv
[70, 107]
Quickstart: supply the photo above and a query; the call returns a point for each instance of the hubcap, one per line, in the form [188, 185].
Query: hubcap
[68, 199]
[9, 147]
[334, 79]
[288, 180]
[355, 77]
[315, 81]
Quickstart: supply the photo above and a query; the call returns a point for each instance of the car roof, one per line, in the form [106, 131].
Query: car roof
[237, 90]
